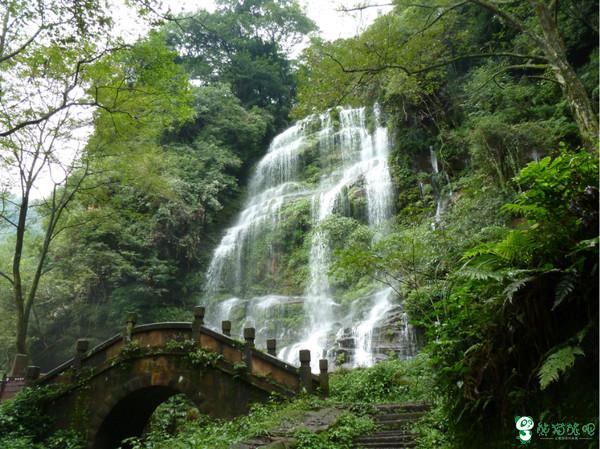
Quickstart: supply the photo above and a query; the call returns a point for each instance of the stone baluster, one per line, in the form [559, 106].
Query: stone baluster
[324, 377]
[19, 365]
[305, 374]
[81, 348]
[249, 334]
[226, 327]
[272, 347]
[32, 374]
[131, 320]
[198, 322]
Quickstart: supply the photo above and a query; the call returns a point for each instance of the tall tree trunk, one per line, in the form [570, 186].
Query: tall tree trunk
[18, 293]
[21, 337]
[572, 87]
[555, 51]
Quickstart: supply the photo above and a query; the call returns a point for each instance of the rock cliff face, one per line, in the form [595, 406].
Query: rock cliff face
[272, 267]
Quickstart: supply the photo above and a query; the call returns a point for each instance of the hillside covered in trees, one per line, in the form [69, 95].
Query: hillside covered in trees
[488, 245]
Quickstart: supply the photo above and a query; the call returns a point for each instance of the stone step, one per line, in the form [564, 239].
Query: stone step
[396, 422]
[377, 437]
[384, 445]
[406, 407]
[408, 416]
[387, 431]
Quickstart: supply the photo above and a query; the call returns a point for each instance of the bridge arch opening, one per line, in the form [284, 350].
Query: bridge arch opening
[129, 417]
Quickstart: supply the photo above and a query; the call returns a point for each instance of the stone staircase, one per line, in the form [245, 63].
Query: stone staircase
[396, 423]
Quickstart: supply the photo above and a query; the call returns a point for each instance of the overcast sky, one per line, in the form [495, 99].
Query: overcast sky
[327, 14]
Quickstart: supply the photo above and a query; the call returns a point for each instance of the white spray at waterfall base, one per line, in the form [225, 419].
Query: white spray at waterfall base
[350, 155]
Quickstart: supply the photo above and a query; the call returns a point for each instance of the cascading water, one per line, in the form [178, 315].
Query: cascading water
[442, 197]
[249, 256]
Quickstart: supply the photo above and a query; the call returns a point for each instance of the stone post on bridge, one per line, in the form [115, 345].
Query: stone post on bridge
[324, 377]
[249, 335]
[272, 347]
[32, 374]
[304, 371]
[19, 365]
[198, 322]
[226, 328]
[130, 324]
[81, 348]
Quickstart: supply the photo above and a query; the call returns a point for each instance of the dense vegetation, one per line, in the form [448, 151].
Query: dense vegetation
[505, 283]
[177, 423]
[157, 181]
[495, 253]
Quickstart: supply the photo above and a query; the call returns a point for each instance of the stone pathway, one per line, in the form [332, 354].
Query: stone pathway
[397, 422]
[280, 438]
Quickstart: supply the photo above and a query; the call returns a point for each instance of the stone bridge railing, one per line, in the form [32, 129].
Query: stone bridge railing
[108, 393]
[285, 379]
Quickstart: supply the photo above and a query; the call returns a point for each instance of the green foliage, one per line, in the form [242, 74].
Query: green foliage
[526, 283]
[202, 358]
[204, 432]
[432, 429]
[25, 422]
[387, 381]
[493, 292]
[240, 368]
[244, 44]
[132, 349]
[556, 363]
[340, 436]
[172, 415]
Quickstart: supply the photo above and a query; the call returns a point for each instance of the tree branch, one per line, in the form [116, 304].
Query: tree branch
[362, 7]
[65, 103]
[7, 277]
[18, 50]
[510, 19]
[406, 70]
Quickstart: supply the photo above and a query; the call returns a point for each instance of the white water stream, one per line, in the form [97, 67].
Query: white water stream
[351, 156]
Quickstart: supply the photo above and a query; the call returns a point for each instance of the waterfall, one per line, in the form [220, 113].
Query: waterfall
[349, 156]
[363, 333]
[434, 161]
[441, 198]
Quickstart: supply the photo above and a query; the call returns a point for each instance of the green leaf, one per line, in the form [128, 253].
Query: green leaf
[556, 364]
[565, 287]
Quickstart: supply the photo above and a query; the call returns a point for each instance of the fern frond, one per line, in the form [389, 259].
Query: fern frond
[479, 250]
[557, 363]
[526, 210]
[564, 288]
[517, 247]
[515, 286]
[482, 268]
[588, 244]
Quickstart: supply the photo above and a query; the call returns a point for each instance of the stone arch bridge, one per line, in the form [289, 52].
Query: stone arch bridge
[110, 391]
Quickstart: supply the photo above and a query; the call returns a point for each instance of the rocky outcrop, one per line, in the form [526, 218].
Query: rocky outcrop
[393, 336]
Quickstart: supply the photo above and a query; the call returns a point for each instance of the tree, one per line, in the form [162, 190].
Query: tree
[419, 42]
[32, 152]
[136, 85]
[245, 44]
[44, 47]
[551, 43]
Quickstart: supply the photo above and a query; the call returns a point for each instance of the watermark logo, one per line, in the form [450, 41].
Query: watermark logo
[553, 431]
[566, 431]
[524, 424]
